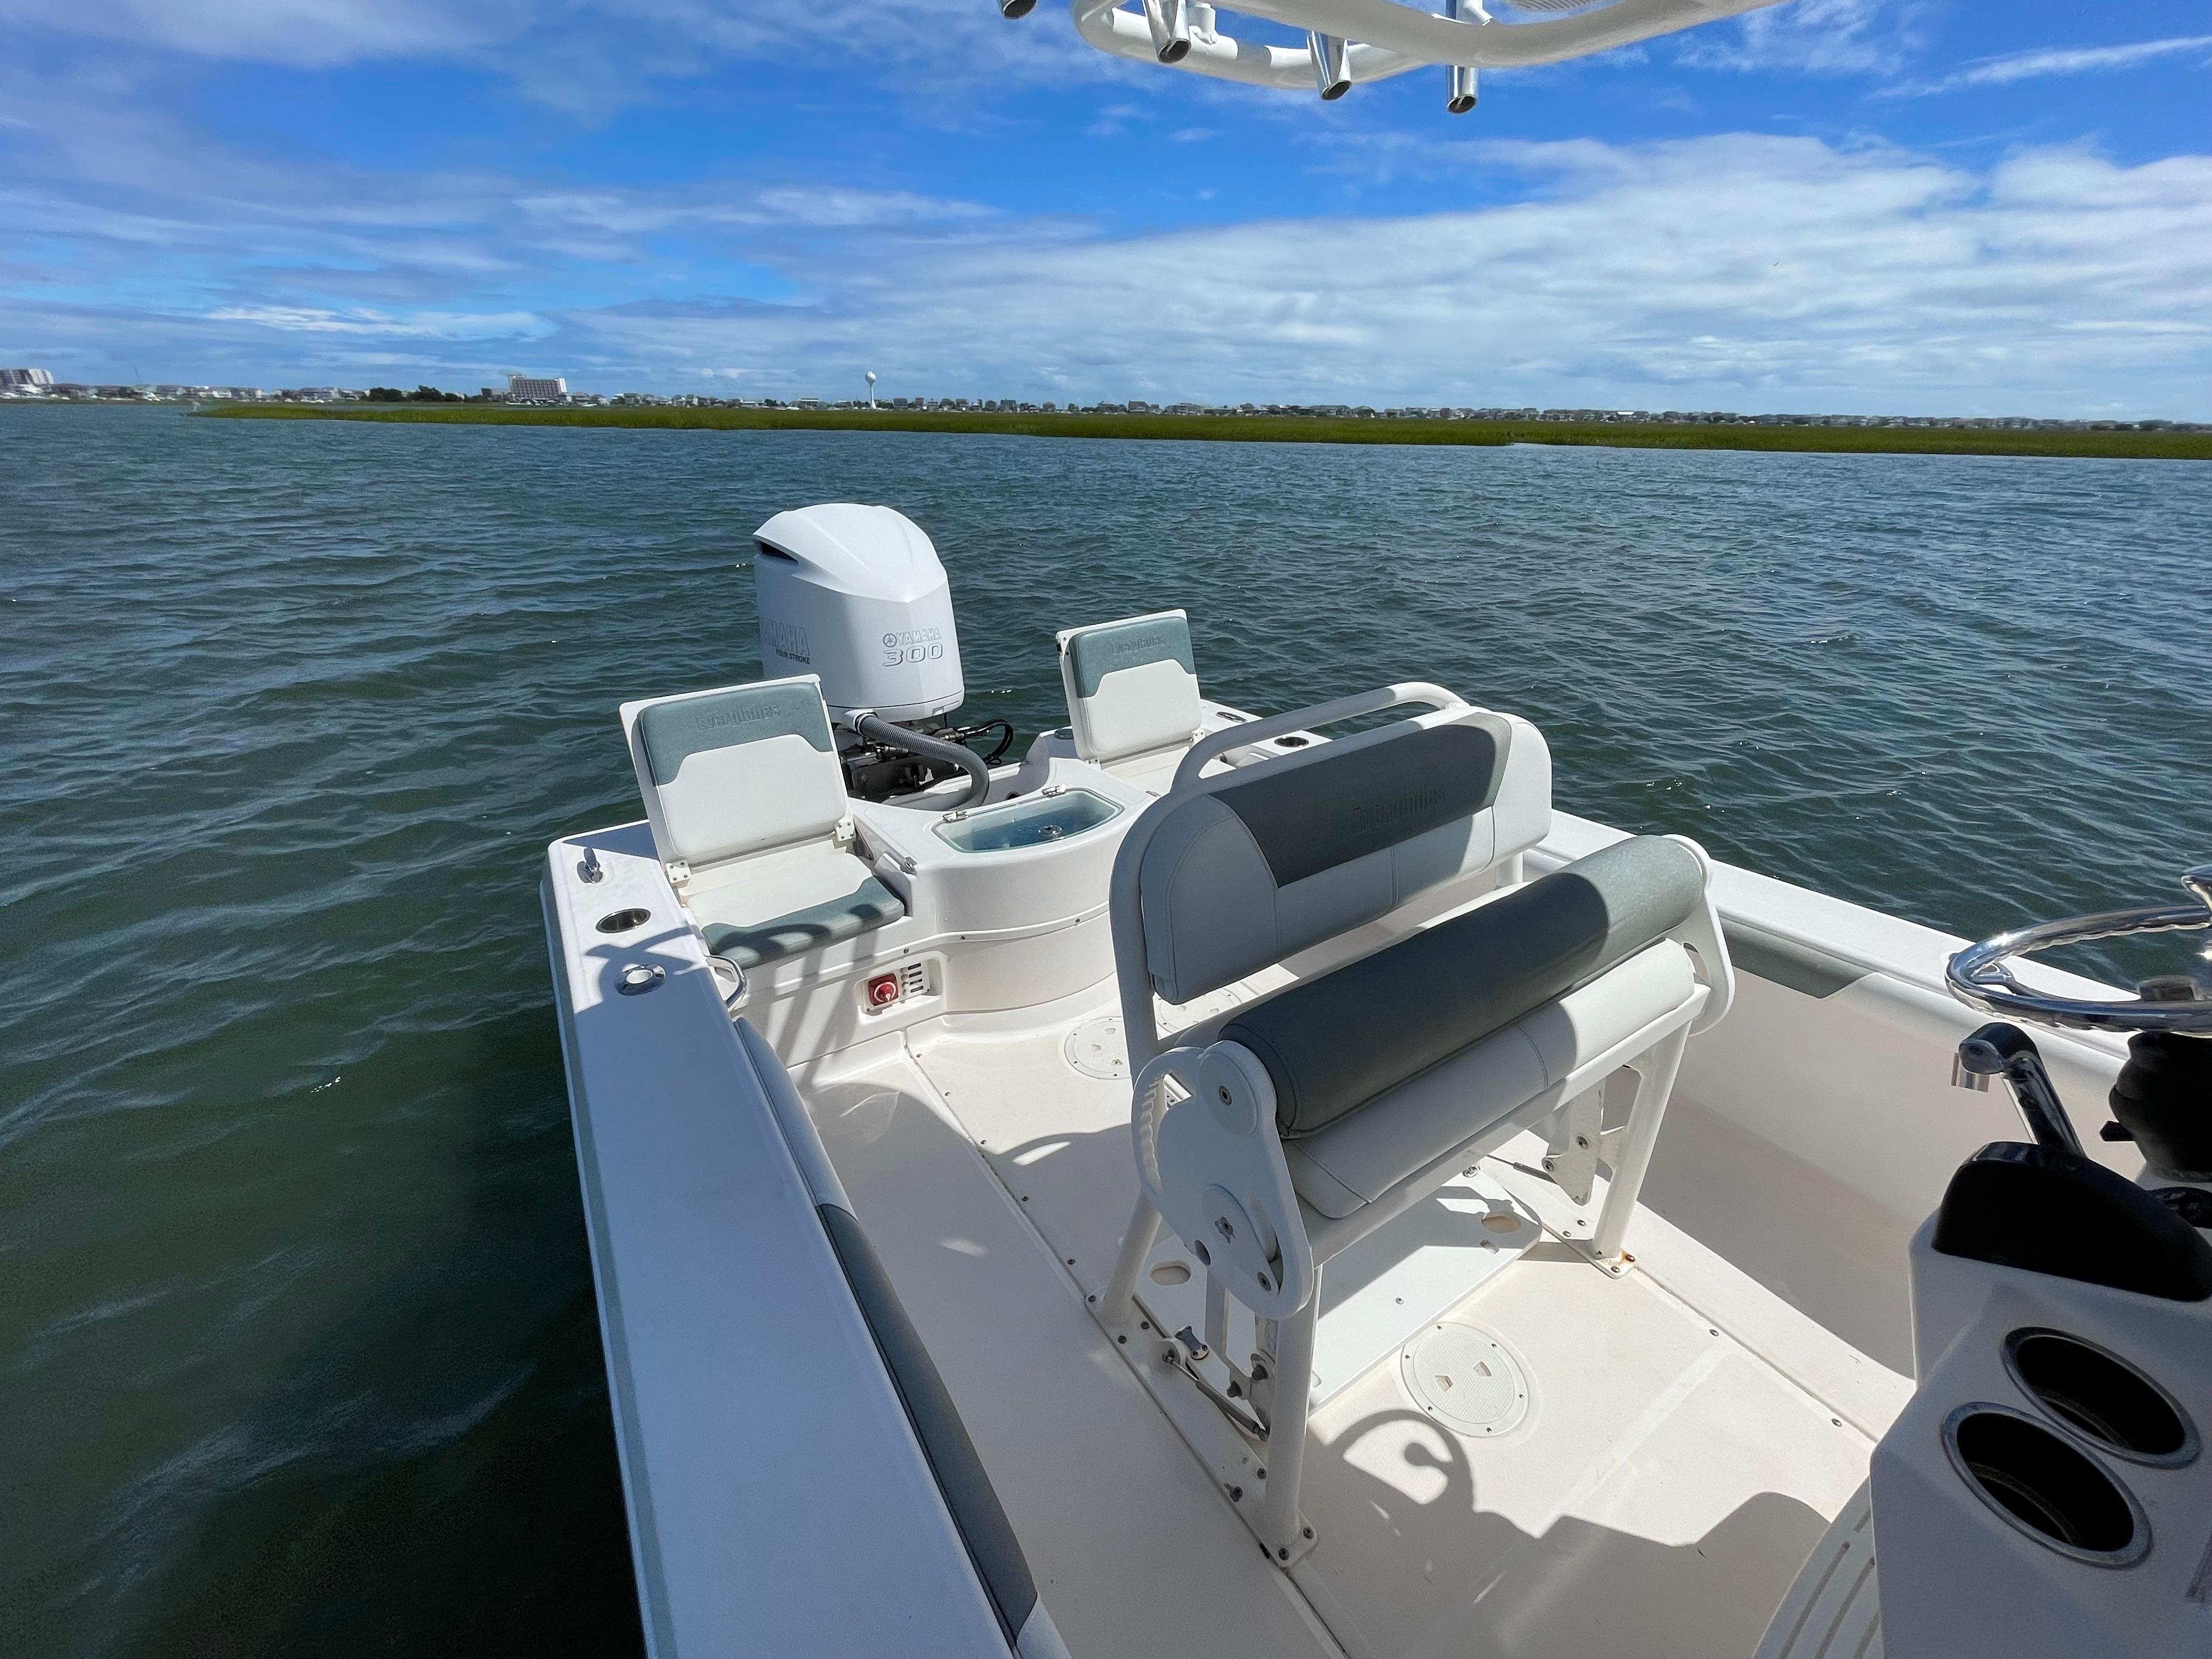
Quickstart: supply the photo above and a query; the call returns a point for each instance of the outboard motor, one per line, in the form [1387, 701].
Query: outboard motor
[856, 596]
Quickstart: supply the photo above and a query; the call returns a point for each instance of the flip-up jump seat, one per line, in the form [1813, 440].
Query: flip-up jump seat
[1305, 1120]
[747, 802]
[1132, 699]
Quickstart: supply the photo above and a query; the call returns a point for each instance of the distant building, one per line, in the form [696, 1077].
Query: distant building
[531, 389]
[21, 381]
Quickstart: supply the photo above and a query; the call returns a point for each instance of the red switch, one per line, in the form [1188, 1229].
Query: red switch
[883, 990]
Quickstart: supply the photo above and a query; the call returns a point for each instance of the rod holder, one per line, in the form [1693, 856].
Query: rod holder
[1330, 75]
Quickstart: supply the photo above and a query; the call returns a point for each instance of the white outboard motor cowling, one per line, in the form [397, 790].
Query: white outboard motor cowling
[856, 595]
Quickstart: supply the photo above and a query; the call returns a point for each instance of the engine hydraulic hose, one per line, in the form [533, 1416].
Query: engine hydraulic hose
[929, 748]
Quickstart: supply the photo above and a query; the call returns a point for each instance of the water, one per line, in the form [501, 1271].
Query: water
[300, 1344]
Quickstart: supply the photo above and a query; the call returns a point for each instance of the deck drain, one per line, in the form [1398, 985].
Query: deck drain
[1096, 1049]
[1461, 1376]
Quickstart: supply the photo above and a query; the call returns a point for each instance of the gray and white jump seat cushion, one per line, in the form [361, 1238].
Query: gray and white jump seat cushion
[1132, 699]
[1392, 1062]
[747, 803]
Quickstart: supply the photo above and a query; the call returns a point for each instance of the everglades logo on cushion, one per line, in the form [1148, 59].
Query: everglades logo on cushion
[745, 713]
[1400, 809]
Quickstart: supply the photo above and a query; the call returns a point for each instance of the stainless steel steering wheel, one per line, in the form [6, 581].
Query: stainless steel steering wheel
[1978, 977]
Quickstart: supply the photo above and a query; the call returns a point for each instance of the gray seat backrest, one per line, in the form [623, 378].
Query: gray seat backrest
[1258, 864]
[743, 769]
[1132, 685]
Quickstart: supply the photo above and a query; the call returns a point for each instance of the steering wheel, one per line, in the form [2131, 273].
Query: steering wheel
[1978, 977]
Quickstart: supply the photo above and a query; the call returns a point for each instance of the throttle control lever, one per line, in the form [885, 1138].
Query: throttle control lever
[1998, 1049]
[2048, 1208]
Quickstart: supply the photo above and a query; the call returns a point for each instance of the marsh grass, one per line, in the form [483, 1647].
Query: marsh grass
[1266, 428]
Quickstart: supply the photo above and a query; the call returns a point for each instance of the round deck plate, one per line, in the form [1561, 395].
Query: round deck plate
[1463, 1376]
[1095, 1049]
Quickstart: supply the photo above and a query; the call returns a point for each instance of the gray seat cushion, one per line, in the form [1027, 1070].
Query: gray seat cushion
[1333, 1044]
[1461, 1101]
[750, 944]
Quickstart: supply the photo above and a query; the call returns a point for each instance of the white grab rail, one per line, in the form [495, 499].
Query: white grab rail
[1300, 720]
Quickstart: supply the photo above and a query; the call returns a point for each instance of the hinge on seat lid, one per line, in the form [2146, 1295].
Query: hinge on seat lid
[679, 872]
[843, 835]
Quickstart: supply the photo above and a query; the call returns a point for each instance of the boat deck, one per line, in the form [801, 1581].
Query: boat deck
[1686, 1434]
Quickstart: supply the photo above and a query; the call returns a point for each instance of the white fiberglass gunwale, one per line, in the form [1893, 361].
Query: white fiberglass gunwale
[775, 1508]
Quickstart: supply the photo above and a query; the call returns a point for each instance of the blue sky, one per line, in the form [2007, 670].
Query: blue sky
[1933, 206]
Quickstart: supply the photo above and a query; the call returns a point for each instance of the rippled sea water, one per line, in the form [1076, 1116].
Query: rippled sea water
[301, 1352]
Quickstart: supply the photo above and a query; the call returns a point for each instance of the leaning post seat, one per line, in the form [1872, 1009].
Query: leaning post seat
[747, 802]
[1311, 1117]
[1132, 699]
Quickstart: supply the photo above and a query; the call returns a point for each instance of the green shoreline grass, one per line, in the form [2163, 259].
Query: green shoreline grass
[1266, 428]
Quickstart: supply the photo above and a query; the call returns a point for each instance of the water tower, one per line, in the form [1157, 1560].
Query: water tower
[871, 388]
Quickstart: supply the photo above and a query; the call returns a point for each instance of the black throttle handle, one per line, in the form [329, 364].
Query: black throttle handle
[1999, 1049]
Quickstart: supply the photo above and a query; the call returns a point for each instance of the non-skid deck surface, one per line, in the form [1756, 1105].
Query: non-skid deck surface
[1667, 1483]
[1134, 1550]
[1059, 1139]
[1657, 1502]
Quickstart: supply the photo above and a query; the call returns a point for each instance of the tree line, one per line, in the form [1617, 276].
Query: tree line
[420, 394]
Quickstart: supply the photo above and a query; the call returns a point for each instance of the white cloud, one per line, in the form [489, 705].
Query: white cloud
[1738, 270]
[1816, 37]
[385, 326]
[591, 56]
[1114, 121]
[308, 33]
[824, 205]
[109, 180]
[2063, 60]
[621, 216]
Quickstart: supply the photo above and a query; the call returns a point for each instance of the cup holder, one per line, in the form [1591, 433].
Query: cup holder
[621, 921]
[2102, 1396]
[2042, 1484]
